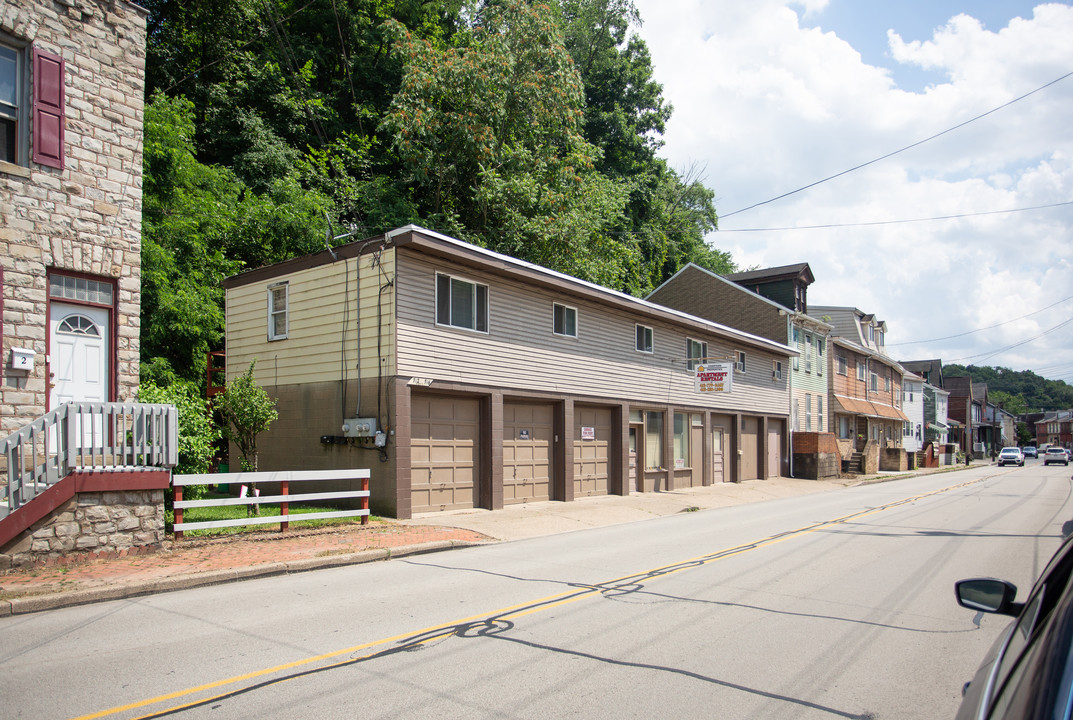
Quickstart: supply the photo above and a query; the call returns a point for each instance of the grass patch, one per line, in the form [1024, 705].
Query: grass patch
[236, 512]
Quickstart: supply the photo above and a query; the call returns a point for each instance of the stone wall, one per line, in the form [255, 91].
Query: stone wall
[83, 219]
[93, 525]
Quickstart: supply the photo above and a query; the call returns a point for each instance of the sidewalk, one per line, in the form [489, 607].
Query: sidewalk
[204, 561]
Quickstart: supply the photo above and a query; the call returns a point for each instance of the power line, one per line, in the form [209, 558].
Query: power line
[991, 354]
[989, 327]
[901, 150]
[898, 222]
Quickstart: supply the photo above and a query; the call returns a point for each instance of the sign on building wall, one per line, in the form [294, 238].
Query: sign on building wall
[714, 377]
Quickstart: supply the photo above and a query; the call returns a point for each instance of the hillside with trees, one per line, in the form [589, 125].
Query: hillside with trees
[527, 128]
[1038, 393]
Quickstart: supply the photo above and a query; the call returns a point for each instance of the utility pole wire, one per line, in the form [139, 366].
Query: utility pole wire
[907, 147]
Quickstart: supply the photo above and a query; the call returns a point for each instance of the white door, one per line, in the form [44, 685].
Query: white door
[78, 346]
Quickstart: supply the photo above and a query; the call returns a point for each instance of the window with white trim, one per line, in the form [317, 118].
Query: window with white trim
[278, 311]
[697, 352]
[860, 371]
[776, 370]
[564, 320]
[797, 346]
[820, 361]
[461, 303]
[808, 353]
[841, 366]
[653, 440]
[740, 364]
[681, 441]
[644, 339]
[875, 383]
[819, 413]
[808, 412]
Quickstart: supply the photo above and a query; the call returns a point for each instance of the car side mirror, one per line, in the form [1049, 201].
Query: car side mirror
[988, 595]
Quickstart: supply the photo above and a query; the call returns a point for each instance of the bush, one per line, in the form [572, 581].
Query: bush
[197, 433]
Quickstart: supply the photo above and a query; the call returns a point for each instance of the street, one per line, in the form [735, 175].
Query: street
[835, 605]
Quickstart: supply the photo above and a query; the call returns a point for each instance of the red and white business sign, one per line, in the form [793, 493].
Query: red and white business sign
[714, 377]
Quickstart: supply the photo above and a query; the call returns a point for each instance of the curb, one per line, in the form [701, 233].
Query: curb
[55, 601]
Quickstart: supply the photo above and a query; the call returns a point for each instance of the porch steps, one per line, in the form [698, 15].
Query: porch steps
[854, 465]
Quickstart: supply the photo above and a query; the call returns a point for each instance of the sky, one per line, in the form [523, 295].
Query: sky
[771, 96]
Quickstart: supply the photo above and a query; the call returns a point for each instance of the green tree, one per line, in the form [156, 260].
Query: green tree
[488, 131]
[197, 433]
[1013, 404]
[247, 411]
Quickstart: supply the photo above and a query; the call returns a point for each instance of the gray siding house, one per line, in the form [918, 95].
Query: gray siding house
[464, 378]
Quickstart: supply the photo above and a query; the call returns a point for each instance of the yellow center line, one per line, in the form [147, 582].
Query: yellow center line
[509, 612]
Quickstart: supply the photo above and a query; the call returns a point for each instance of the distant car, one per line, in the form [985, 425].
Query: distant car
[1028, 673]
[1055, 454]
[1030, 451]
[1011, 456]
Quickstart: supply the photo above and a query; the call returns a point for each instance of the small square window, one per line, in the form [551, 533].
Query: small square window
[461, 303]
[564, 320]
[278, 311]
[644, 339]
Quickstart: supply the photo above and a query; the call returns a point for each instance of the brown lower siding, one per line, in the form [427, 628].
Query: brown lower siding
[308, 412]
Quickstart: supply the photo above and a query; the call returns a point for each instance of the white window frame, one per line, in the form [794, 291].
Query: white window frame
[697, 352]
[740, 364]
[275, 312]
[19, 113]
[819, 356]
[808, 412]
[644, 339]
[873, 384]
[445, 307]
[808, 353]
[566, 312]
[819, 413]
[841, 365]
[797, 346]
[861, 374]
[776, 370]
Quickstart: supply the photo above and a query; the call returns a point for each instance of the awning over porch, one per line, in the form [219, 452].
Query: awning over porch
[856, 406]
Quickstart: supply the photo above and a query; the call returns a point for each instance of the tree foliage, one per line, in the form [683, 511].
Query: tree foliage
[197, 433]
[1038, 393]
[247, 411]
[528, 127]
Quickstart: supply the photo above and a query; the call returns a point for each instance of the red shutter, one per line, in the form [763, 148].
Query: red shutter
[49, 108]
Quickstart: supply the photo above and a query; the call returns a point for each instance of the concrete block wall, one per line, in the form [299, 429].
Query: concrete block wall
[85, 218]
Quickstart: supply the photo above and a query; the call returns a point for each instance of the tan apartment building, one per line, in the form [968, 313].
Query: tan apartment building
[465, 378]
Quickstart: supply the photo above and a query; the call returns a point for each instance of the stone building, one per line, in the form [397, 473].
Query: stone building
[72, 85]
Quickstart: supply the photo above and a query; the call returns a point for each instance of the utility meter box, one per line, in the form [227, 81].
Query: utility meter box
[359, 427]
[22, 359]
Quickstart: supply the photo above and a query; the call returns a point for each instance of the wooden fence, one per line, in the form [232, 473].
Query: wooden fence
[285, 498]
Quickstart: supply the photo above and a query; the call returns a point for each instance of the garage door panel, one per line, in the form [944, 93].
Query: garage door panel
[528, 434]
[443, 459]
[592, 463]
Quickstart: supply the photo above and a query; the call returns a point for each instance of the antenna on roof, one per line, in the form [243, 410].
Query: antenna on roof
[330, 236]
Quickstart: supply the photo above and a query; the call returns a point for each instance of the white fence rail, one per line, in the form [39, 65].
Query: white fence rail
[284, 499]
[82, 435]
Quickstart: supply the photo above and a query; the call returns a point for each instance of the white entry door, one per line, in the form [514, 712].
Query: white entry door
[78, 345]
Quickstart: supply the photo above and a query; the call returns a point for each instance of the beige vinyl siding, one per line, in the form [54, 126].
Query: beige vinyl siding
[521, 351]
[317, 308]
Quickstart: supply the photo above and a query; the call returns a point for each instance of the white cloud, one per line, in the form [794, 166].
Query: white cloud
[768, 106]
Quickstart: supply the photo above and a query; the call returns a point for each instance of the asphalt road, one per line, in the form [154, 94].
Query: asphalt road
[836, 605]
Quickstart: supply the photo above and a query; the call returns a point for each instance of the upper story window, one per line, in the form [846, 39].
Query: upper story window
[820, 361]
[808, 353]
[644, 339]
[875, 383]
[44, 97]
[740, 364]
[879, 338]
[697, 352]
[797, 346]
[860, 370]
[871, 333]
[278, 311]
[776, 370]
[461, 303]
[564, 320]
[841, 365]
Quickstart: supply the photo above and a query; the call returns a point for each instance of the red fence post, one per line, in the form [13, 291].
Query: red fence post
[178, 511]
[365, 500]
[284, 489]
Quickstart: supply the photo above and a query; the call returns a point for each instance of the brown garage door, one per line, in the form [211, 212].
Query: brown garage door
[443, 463]
[774, 448]
[528, 432]
[592, 451]
[750, 447]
